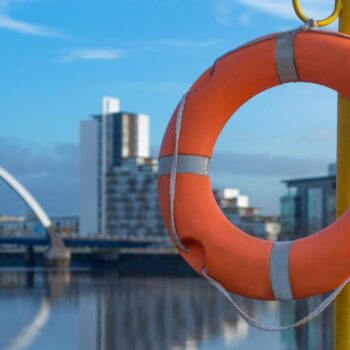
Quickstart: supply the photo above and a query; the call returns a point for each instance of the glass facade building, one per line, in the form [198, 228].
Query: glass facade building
[308, 206]
[314, 209]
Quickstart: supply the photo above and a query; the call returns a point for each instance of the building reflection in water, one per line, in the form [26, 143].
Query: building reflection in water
[158, 314]
[107, 312]
[319, 332]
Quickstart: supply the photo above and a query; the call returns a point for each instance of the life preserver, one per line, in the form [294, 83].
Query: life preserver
[243, 264]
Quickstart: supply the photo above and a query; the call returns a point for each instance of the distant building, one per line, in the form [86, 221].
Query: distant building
[309, 204]
[268, 227]
[118, 193]
[65, 225]
[29, 225]
[332, 169]
[11, 225]
[236, 208]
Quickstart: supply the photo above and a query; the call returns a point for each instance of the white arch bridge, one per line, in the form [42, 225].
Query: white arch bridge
[57, 254]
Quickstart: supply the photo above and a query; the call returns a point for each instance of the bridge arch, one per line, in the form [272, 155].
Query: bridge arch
[57, 254]
[27, 197]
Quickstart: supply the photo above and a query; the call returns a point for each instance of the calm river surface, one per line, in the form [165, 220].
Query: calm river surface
[87, 310]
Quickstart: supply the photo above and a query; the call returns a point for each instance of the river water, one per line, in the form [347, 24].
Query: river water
[42, 310]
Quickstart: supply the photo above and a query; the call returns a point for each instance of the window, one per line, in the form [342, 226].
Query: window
[289, 213]
[330, 207]
[314, 210]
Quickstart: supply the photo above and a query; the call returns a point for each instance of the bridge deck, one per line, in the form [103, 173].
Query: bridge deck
[84, 242]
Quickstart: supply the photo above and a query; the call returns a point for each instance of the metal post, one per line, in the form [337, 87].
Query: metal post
[342, 303]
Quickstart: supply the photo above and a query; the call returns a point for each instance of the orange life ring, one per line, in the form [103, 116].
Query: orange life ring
[243, 264]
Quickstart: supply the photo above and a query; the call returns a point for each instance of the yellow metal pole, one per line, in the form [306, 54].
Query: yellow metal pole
[342, 303]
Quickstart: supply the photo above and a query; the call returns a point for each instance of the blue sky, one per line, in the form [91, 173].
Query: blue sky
[59, 57]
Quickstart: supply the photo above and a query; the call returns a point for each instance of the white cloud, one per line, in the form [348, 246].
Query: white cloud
[179, 43]
[9, 23]
[279, 8]
[89, 54]
[246, 19]
[222, 12]
[261, 164]
[285, 9]
[154, 87]
[174, 43]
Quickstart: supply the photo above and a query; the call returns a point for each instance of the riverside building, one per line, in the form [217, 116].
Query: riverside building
[308, 205]
[236, 208]
[29, 225]
[118, 193]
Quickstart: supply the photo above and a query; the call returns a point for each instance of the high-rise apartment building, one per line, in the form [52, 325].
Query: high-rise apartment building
[117, 177]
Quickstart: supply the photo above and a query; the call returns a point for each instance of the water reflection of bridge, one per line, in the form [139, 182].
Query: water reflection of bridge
[157, 313]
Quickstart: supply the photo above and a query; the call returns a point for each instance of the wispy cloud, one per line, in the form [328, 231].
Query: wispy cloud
[322, 135]
[176, 43]
[153, 87]
[222, 12]
[91, 54]
[78, 54]
[256, 164]
[9, 23]
[246, 19]
[282, 9]
[180, 43]
[279, 8]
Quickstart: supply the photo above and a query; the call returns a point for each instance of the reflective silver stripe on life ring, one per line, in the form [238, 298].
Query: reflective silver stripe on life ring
[186, 164]
[279, 270]
[284, 56]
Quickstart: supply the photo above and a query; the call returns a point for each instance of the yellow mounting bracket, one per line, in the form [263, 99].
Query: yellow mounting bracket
[322, 22]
